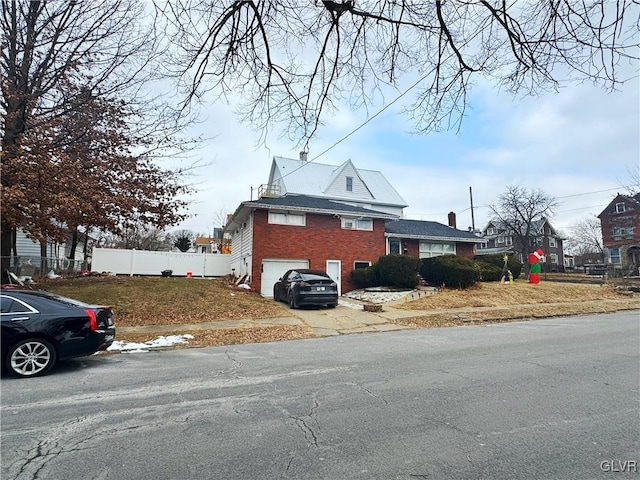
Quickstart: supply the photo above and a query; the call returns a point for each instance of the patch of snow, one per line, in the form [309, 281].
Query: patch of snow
[161, 341]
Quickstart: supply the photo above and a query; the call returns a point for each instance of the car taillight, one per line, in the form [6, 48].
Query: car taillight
[304, 285]
[93, 319]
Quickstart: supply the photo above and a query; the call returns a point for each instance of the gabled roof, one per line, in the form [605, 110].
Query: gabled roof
[424, 230]
[314, 179]
[305, 204]
[630, 201]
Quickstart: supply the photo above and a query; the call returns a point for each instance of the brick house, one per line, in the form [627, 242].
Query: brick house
[497, 238]
[273, 235]
[332, 218]
[620, 224]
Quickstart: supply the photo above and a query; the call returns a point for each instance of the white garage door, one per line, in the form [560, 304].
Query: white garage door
[273, 269]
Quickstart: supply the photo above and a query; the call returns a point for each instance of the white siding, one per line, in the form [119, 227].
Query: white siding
[338, 187]
[241, 247]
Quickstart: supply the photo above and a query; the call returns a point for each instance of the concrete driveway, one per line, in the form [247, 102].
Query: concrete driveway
[349, 317]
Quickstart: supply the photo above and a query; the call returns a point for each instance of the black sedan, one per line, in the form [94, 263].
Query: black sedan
[306, 287]
[40, 328]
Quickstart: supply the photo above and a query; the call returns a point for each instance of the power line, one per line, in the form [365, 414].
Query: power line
[358, 127]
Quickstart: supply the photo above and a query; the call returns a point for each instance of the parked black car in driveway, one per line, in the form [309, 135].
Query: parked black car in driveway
[306, 287]
[39, 328]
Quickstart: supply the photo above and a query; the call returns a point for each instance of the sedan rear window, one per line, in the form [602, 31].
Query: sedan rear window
[314, 276]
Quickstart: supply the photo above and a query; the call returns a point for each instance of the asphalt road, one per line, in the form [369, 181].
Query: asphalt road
[549, 399]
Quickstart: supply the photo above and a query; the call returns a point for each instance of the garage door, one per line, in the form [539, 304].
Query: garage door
[273, 269]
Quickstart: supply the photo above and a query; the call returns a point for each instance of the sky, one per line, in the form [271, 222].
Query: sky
[577, 145]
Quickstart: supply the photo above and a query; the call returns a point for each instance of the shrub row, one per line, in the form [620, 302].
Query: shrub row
[402, 271]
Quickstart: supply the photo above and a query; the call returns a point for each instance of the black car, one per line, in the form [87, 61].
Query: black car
[306, 287]
[39, 328]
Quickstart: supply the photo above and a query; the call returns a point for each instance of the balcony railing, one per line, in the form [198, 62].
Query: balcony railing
[269, 191]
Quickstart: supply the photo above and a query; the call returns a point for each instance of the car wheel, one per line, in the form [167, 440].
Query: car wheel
[333, 305]
[31, 357]
[275, 294]
[292, 301]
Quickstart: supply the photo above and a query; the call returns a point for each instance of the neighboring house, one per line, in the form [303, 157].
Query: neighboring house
[345, 183]
[57, 256]
[272, 235]
[497, 238]
[620, 224]
[206, 245]
[429, 239]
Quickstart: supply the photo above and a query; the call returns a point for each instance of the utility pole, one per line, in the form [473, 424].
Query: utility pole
[473, 222]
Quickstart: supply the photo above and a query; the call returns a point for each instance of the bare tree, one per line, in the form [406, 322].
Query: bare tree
[138, 237]
[293, 61]
[632, 183]
[517, 210]
[586, 237]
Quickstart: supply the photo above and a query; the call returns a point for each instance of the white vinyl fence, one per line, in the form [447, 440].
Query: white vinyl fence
[142, 262]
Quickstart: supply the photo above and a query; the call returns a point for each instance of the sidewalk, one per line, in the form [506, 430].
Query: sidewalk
[347, 318]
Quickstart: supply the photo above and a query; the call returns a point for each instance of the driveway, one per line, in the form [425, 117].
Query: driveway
[349, 317]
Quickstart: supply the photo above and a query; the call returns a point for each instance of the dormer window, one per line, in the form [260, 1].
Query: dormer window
[349, 184]
[620, 207]
[492, 231]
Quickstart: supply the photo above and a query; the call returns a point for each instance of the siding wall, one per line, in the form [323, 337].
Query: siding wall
[338, 188]
[241, 245]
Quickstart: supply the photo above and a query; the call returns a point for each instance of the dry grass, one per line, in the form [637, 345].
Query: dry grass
[518, 293]
[493, 302]
[228, 336]
[167, 301]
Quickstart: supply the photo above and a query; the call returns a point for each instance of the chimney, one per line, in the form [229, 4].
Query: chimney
[304, 156]
[452, 219]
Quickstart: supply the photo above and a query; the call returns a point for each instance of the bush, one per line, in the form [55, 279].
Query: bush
[398, 271]
[450, 271]
[488, 271]
[497, 259]
[365, 277]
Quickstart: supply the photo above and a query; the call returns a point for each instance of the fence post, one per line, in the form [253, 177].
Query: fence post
[133, 253]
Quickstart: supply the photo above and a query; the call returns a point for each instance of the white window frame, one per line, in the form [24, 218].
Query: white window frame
[553, 258]
[500, 239]
[508, 240]
[492, 231]
[436, 249]
[349, 184]
[620, 207]
[287, 218]
[362, 262]
[350, 223]
[552, 242]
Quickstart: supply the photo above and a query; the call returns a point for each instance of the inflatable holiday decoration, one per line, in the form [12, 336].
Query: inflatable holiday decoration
[534, 266]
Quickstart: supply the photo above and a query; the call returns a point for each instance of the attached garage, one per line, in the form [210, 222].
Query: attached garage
[273, 269]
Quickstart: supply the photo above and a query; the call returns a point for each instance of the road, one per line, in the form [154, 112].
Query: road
[547, 399]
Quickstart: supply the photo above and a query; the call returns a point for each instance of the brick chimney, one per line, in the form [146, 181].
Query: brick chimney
[452, 219]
